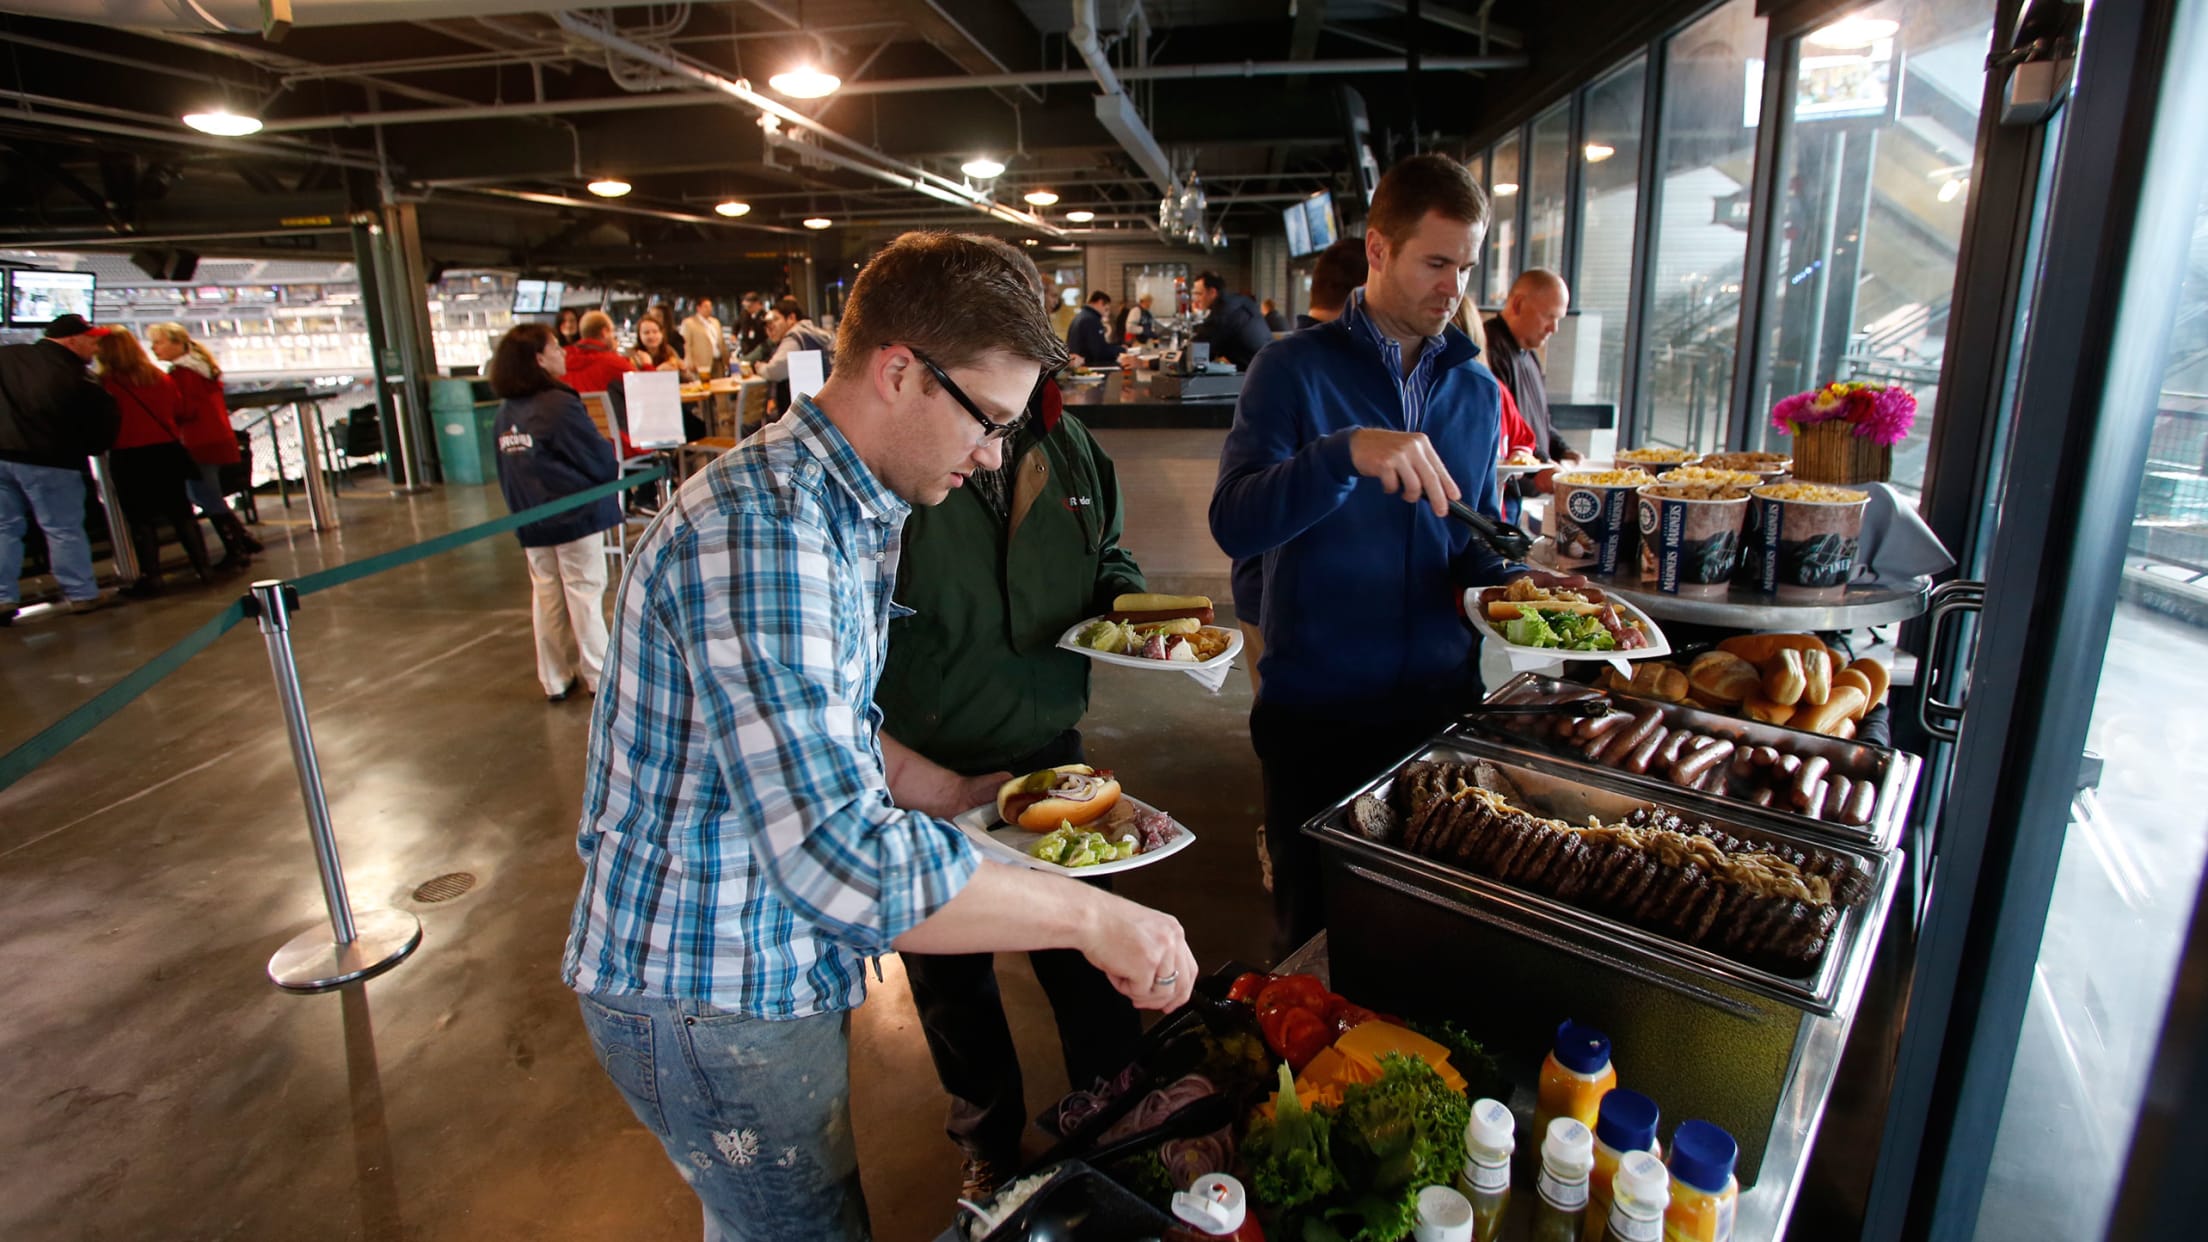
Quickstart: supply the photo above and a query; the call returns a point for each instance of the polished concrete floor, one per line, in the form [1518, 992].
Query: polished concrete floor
[159, 1087]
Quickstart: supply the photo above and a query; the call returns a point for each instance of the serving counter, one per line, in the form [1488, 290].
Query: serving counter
[1138, 400]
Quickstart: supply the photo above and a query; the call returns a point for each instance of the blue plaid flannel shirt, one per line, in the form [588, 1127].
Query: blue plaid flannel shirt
[1419, 384]
[738, 842]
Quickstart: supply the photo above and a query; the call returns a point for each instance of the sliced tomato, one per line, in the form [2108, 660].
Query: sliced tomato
[1303, 1035]
[1294, 992]
[1247, 985]
[1346, 1017]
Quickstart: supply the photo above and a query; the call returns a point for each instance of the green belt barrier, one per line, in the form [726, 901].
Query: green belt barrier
[54, 738]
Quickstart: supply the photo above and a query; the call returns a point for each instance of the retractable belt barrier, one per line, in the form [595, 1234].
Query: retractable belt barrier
[372, 941]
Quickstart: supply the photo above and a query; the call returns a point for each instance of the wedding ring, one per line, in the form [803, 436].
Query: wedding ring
[1166, 981]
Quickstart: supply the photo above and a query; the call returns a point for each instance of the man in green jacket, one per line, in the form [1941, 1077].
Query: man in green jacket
[975, 681]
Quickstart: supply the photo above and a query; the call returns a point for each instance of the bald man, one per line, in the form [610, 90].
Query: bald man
[1537, 302]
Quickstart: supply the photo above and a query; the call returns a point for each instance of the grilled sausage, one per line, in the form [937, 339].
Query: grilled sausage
[1645, 753]
[1696, 764]
[1861, 802]
[1806, 781]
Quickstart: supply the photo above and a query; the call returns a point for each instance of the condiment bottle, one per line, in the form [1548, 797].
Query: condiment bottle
[1641, 1191]
[1444, 1215]
[1625, 1121]
[1566, 1155]
[1214, 1206]
[1704, 1192]
[1575, 1077]
[1488, 1144]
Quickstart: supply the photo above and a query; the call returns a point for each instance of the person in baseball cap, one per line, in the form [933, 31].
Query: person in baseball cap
[73, 332]
[52, 417]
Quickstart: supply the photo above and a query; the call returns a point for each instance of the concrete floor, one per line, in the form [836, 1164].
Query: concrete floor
[160, 1087]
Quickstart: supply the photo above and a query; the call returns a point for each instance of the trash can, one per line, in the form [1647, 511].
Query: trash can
[464, 441]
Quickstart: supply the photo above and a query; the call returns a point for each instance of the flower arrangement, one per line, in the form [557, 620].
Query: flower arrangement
[1881, 413]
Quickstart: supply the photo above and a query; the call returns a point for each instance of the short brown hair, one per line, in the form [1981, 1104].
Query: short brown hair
[514, 369]
[594, 325]
[788, 308]
[1418, 185]
[1341, 268]
[951, 297]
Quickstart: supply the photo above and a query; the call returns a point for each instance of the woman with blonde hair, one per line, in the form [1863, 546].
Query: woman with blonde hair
[149, 462]
[208, 436]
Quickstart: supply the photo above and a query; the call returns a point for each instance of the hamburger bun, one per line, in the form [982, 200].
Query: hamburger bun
[1071, 793]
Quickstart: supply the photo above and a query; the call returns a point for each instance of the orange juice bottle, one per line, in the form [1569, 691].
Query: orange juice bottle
[1624, 1122]
[1575, 1077]
[1704, 1192]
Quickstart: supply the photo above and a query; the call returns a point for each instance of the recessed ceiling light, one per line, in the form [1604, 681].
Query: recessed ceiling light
[609, 187]
[1041, 198]
[1504, 189]
[818, 222]
[224, 123]
[731, 209]
[982, 168]
[1597, 152]
[805, 82]
[1854, 32]
[1080, 217]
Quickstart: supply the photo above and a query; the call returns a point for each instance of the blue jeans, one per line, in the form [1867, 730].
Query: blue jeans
[756, 1115]
[205, 489]
[56, 496]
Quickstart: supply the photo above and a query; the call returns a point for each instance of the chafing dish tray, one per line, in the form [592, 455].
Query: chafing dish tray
[1725, 894]
[1762, 767]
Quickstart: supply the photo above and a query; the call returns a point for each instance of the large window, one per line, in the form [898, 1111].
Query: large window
[1501, 260]
[1705, 160]
[1547, 188]
[1593, 367]
[1877, 150]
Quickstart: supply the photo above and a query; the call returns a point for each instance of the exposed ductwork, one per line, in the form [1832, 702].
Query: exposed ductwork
[1114, 110]
[244, 16]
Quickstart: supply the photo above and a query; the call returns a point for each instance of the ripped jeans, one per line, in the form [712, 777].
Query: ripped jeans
[756, 1115]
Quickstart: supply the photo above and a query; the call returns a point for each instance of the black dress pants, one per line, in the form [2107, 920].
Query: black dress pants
[962, 1017]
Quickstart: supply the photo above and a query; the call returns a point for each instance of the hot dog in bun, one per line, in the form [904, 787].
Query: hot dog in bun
[1071, 793]
[1142, 609]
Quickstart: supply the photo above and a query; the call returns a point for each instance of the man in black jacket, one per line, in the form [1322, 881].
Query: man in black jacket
[1086, 337]
[1537, 302]
[1233, 326]
[52, 417]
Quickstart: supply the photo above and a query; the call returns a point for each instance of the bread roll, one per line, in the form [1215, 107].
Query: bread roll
[1756, 648]
[1758, 707]
[1784, 678]
[1843, 704]
[1850, 677]
[1817, 676]
[1875, 672]
[1724, 677]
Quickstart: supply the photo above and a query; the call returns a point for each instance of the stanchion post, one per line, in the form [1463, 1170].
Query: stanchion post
[118, 526]
[321, 507]
[360, 945]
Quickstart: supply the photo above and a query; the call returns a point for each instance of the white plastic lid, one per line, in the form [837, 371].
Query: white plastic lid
[1643, 1180]
[1444, 1215]
[1213, 1203]
[1492, 1127]
[1570, 1146]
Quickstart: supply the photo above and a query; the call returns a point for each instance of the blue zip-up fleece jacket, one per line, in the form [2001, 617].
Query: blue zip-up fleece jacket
[548, 448]
[1359, 609]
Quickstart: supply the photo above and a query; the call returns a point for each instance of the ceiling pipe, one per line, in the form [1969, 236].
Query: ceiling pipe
[244, 16]
[863, 158]
[625, 209]
[994, 210]
[1114, 110]
[149, 130]
[20, 238]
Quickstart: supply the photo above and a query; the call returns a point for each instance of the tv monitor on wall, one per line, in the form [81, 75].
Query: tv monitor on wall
[538, 297]
[35, 298]
[1319, 217]
[1299, 231]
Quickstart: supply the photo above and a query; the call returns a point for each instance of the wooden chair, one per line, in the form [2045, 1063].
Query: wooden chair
[601, 416]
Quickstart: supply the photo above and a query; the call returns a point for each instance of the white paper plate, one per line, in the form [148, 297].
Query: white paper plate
[1508, 470]
[1523, 658]
[1093, 377]
[1005, 843]
[1224, 658]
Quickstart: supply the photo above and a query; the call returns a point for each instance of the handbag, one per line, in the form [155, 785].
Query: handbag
[178, 459]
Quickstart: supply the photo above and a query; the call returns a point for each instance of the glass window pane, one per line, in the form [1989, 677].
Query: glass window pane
[1501, 263]
[1871, 210]
[1545, 189]
[1706, 154]
[1587, 360]
[2131, 862]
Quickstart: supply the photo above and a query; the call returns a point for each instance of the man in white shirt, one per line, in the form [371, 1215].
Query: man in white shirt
[702, 342]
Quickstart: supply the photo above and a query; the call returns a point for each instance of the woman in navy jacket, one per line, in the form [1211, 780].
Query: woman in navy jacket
[549, 449]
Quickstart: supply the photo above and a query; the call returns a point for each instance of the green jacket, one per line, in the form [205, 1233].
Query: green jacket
[974, 677]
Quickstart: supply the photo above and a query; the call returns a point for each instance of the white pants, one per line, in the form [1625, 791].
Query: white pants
[568, 607]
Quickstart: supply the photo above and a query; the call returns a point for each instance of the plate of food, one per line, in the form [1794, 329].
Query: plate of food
[1073, 819]
[1170, 632]
[1521, 462]
[1537, 624]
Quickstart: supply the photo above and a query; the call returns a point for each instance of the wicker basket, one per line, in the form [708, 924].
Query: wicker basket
[1832, 453]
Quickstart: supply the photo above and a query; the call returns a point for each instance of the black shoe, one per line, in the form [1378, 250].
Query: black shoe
[7, 616]
[142, 588]
[561, 697]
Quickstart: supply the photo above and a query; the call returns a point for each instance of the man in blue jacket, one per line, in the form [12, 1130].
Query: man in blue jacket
[1085, 337]
[1338, 426]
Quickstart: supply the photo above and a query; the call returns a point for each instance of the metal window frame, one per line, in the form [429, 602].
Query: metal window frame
[1649, 210]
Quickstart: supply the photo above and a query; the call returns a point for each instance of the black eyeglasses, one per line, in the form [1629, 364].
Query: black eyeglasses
[993, 430]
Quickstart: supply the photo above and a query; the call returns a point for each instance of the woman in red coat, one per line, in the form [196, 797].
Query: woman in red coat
[149, 462]
[208, 436]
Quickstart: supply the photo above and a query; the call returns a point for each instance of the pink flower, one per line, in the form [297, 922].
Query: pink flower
[1880, 412]
[1791, 412]
[1888, 415]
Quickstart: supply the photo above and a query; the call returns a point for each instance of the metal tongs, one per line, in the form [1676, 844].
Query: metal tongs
[1509, 542]
[1585, 709]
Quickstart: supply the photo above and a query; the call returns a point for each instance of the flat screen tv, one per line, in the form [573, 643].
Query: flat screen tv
[538, 297]
[36, 297]
[1319, 217]
[1299, 231]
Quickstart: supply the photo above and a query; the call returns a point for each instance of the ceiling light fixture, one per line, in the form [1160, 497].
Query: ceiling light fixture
[806, 82]
[223, 123]
[731, 209]
[982, 168]
[1080, 217]
[1504, 189]
[1597, 152]
[609, 187]
[1851, 33]
[1040, 198]
[818, 222]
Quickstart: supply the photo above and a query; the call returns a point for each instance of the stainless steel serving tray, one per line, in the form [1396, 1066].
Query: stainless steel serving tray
[1895, 771]
[1573, 793]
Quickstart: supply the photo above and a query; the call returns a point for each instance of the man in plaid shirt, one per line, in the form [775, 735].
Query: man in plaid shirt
[749, 837]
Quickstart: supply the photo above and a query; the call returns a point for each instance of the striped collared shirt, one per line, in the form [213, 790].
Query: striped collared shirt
[738, 842]
[1415, 387]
